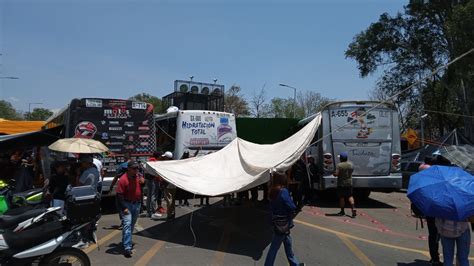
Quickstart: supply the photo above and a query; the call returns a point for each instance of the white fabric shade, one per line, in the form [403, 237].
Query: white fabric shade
[238, 166]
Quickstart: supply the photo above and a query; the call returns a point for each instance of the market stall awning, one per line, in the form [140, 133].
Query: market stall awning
[15, 127]
[30, 139]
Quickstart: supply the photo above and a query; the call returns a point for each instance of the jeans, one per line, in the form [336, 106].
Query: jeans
[433, 239]
[463, 244]
[128, 223]
[275, 246]
[152, 196]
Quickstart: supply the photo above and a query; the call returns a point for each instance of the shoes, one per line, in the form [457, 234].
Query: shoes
[127, 253]
[354, 214]
[341, 213]
[161, 210]
[156, 215]
[436, 263]
[171, 217]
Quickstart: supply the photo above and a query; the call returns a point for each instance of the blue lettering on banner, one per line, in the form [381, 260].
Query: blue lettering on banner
[198, 132]
[198, 125]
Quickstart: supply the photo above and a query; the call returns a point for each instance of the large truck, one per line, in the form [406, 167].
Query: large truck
[126, 127]
[194, 130]
[369, 132]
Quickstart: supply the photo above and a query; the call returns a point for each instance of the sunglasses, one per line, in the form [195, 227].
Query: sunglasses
[135, 168]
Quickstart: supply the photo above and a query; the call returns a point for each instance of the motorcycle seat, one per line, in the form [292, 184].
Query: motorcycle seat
[9, 221]
[27, 193]
[33, 236]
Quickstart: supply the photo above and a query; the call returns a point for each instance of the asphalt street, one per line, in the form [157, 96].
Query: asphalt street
[384, 233]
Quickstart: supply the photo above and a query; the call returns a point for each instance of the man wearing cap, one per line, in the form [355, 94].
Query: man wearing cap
[129, 193]
[90, 175]
[343, 172]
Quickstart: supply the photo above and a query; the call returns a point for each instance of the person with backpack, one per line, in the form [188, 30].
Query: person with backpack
[454, 233]
[283, 210]
[433, 235]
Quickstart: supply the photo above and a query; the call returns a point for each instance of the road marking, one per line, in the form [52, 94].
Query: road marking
[145, 259]
[150, 253]
[359, 254]
[102, 241]
[423, 252]
[222, 247]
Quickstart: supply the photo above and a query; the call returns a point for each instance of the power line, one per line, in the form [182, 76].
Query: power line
[434, 72]
[446, 113]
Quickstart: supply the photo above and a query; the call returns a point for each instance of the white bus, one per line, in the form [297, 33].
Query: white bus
[370, 138]
[193, 130]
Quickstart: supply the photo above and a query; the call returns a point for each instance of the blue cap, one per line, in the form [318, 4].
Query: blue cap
[343, 155]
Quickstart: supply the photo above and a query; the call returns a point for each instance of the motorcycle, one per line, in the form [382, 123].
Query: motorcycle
[29, 199]
[40, 237]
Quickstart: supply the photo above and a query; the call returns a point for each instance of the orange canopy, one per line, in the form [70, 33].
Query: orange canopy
[15, 127]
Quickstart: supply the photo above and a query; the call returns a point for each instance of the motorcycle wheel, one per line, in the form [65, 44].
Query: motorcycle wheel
[66, 256]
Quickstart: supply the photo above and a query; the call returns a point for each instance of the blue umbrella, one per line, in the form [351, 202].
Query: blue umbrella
[444, 192]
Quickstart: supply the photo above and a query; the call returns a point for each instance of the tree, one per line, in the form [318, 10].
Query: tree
[282, 108]
[412, 45]
[307, 103]
[258, 105]
[310, 102]
[235, 103]
[7, 111]
[38, 114]
[155, 101]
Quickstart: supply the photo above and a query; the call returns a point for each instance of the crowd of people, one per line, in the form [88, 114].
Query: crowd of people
[286, 194]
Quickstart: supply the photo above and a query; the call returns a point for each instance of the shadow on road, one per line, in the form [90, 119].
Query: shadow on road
[246, 228]
[415, 263]
[368, 203]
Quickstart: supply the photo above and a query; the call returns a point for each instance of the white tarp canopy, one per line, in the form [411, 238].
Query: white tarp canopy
[239, 166]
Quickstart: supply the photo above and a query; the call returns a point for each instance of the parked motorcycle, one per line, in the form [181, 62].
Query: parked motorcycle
[8, 200]
[42, 237]
[47, 236]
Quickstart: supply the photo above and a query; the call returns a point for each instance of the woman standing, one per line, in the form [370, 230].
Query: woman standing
[283, 210]
[454, 234]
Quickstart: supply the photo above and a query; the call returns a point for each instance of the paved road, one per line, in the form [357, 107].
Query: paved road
[384, 233]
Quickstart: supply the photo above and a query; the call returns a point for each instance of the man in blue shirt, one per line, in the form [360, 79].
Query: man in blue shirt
[90, 175]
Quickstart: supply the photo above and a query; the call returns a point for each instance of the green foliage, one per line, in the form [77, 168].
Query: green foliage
[235, 103]
[38, 114]
[155, 101]
[307, 103]
[410, 46]
[8, 112]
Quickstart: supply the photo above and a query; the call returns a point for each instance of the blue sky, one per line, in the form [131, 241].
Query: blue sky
[115, 49]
